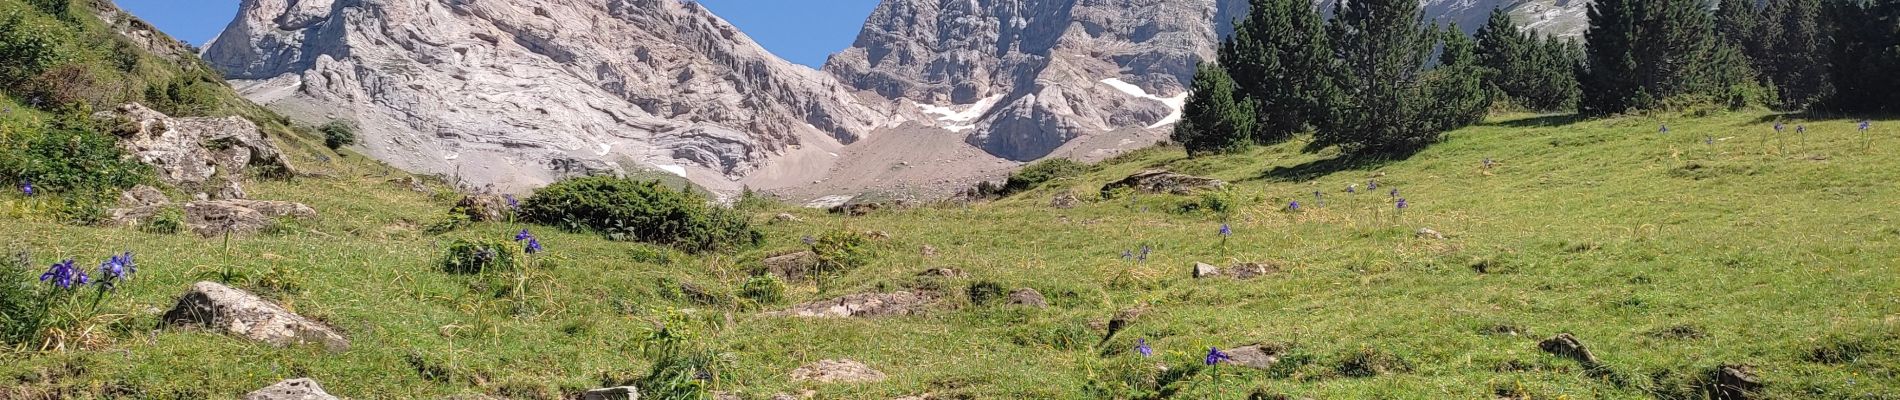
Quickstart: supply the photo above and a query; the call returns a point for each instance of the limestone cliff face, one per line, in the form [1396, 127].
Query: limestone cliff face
[521, 92]
[1024, 77]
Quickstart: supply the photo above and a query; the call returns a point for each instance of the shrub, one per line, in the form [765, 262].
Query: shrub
[28, 50]
[683, 366]
[169, 221]
[841, 251]
[337, 134]
[644, 211]
[985, 292]
[1043, 171]
[763, 290]
[478, 256]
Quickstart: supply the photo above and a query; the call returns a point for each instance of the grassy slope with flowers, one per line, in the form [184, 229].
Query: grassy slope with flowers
[1666, 255]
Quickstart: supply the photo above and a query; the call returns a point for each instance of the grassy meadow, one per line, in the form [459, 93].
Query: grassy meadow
[1668, 254]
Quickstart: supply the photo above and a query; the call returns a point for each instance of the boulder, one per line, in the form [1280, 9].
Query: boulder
[1255, 357]
[229, 190]
[189, 152]
[1428, 233]
[1205, 270]
[792, 267]
[943, 273]
[216, 217]
[837, 371]
[484, 207]
[862, 305]
[1066, 200]
[293, 389]
[1162, 181]
[142, 196]
[1734, 382]
[217, 307]
[1028, 297]
[612, 393]
[1567, 346]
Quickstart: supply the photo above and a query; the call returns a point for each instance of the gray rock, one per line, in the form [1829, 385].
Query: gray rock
[612, 393]
[1255, 357]
[484, 207]
[221, 308]
[1246, 271]
[1428, 233]
[1734, 382]
[142, 196]
[1065, 200]
[1567, 346]
[240, 217]
[229, 190]
[1028, 297]
[188, 152]
[617, 86]
[792, 267]
[837, 371]
[1161, 181]
[1205, 270]
[862, 305]
[293, 389]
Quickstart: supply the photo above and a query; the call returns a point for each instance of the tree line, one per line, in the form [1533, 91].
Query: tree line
[1376, 79]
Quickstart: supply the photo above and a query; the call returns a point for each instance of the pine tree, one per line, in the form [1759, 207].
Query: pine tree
[1535, 73]
[1457, 85]
[1797, 54]
[1381, 47]
[1736, 24]
[1277, 56]
[1609, 76]
[1216, 118]
[1674, 49]
[1863, 55]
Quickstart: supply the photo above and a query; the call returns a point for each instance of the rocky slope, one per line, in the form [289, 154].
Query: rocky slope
[518, 93]
[1022, 78]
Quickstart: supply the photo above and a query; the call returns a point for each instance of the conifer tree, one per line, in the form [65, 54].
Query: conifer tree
[1278, 56]
[1457, 85]
[1531, 72]
[1863, 55]
[1609, 79]
[1216, 119]
[1796, 55]
[1381, 48]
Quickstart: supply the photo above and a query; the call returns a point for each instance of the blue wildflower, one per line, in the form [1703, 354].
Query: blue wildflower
[62, 274]
[1865, 125]
[1395, 192]
[26, 186]
[534, 246]
[1128, 255]
[1801, 129]
[1214, 356]
[1372, 184]
[1402, 204]
[1665, 128]
[524, 235]
[1225, 231]
[1293, 206]
[1353, 188]
[512, 204]
[1779, 127]
[1144, 253]
[1141, 346]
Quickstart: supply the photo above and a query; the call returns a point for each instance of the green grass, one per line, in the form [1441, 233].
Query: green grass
[1665, 255]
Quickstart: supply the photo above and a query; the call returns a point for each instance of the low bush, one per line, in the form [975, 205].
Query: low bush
[337, 134]
[644, 211]
[1030, 177]
[841, 250]
[479, 256]
[763, 290]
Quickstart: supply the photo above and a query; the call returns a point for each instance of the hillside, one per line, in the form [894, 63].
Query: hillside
[1667, 255]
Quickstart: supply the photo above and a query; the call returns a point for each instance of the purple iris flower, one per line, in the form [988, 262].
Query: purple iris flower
[1353, 188]
[1144, 253]
[26, 186]
[1214, 356]
[1865, 125]
[1128, 255]
[1395, 192]
[1779, 127]
[62, 274]
[1141, 346]
[524, 235]
[534, 246]
[1372, 184]
[1293, 206]
[1225, 231]
[1801, 129]
[1402, 204]
[512, 204]
[1665, 128]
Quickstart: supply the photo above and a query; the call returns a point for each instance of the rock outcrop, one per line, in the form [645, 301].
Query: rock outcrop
[292, 389]
[240, 217]
[862, 305]
[518, 92]
[197, 154]
[221, 308]
[1157, 181]
[612, 393]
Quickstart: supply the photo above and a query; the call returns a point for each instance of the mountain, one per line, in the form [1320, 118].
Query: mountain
[1023, 78]
[518, 93]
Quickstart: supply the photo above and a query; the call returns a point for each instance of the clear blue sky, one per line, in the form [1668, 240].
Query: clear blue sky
[803, 31]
